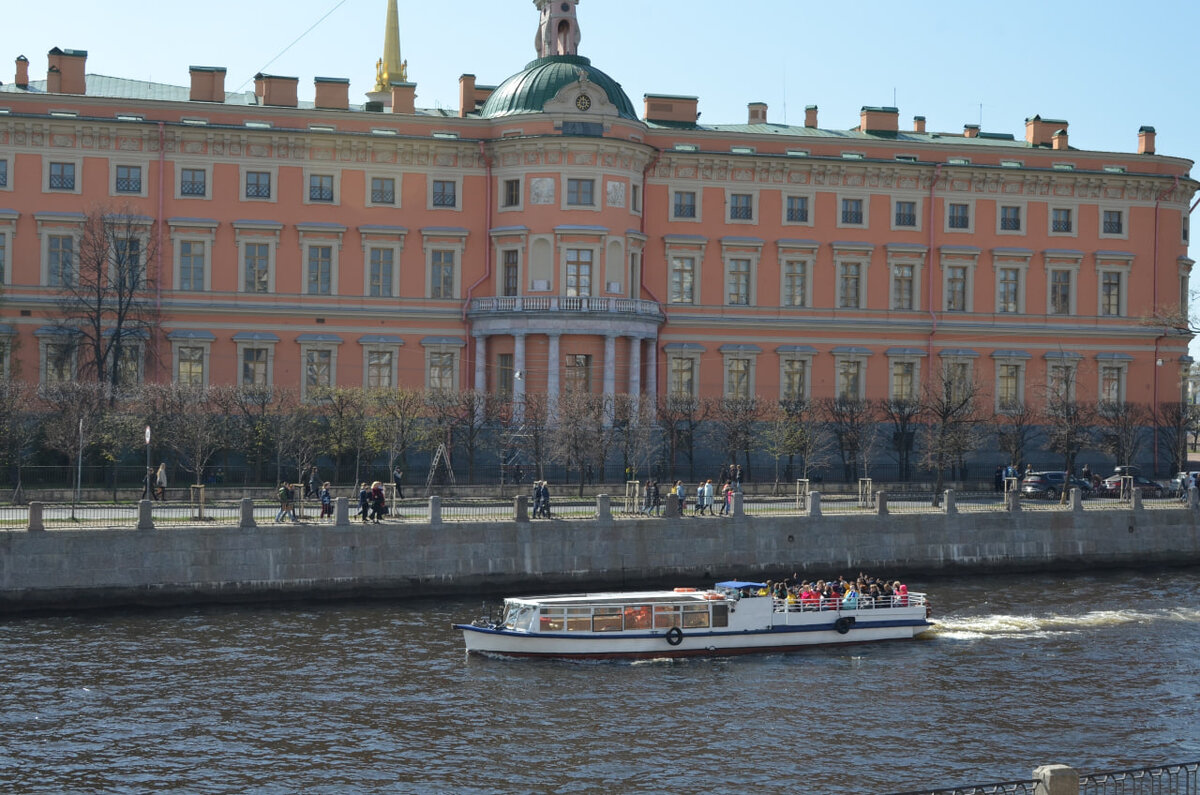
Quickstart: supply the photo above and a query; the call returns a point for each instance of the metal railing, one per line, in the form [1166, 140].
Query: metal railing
[129, 185]
[1002, 788]
[589, 304]
[906, 219]
[1181, 779]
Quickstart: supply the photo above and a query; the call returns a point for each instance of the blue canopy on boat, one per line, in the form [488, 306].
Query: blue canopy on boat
[741, 584]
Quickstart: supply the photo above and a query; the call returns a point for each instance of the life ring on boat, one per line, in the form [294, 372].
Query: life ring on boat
[674, 636]
[685, 590]
[713, 596]
[843, 624]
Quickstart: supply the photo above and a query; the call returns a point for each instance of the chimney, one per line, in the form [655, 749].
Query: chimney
[1145, 140]
[466, 96]
[810, 116]
[758, 113]
[668, 107]
[879, 120]
[332, 93]
[404, 98]
[208, 83]
[22, 80]
[1060, 139]
[70, 68]
[276, 90]
[1040, 132]
[919, 124]
[970, 131]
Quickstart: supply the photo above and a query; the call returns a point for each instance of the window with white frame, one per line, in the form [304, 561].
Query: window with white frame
[793, 378]
[258, 184]
[795, 282]
[257, 261]
[1060, 380]
[61, 176]
[127, 180]
[958, 216]
[193, 265]
[189, 365]
[129, 362]
[1112, 383]
[958, 375]
[850, 378]
[319, 269]
[511, 197]
[904, 380]
[1010, 385]
[956, 288]
[850, 287]
[577, 373]
[905, 215]
[1062, 221]
[738, 372]
[579, 271]
[255, 363]
[581, 192]
[737, 280]
[682, 375]
[4, 174]
[1008, 294]
[683, 280]
[321, 188]
[444, 194]
[903, 286]
[318, 369]
[1112, 223]
[1112, 293]
[193, 181]
[796, 210]
[1011, 218]
[382, 266]
[684, 206]
[380, 368]
[58, 360]
[741, 207]
[635, 198]
[442, 271]
[257, 244]
[510, 275]
[60, 260]
[4, 269]
[383, 191]
[852, 212]
[1062, 293]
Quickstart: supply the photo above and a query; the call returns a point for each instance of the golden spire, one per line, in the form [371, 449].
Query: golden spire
[390, 68]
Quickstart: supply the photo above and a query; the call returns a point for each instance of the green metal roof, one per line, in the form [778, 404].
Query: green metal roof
[528, 91]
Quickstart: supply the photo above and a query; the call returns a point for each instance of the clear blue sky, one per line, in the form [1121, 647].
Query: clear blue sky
[1106, 67]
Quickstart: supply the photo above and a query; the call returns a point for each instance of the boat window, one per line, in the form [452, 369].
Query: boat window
[520, 617]
[579, 619]
[553, 619]
[607, 619]
[720, 615]
[695, 616]
[637, 617]
[666, 616]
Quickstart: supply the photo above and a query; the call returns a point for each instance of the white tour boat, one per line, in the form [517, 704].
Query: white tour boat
[732, 618]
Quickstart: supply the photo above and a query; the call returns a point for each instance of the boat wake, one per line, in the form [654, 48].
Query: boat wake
[1024, 626]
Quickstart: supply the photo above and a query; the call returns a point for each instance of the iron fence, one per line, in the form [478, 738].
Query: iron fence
[1180, 779]
[462, 510]
[1002, 788]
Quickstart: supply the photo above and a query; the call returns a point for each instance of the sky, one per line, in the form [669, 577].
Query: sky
[1106, 67]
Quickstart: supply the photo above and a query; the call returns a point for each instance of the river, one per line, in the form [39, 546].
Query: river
[1099, 671]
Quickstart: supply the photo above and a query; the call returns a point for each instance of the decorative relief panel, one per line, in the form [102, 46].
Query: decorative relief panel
[541, 190]
[584, 158]
[60, 139]
[616, 194]
[127, 144]
[321, 154]
[446, 159]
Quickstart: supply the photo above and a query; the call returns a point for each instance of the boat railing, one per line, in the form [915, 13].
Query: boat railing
[865, 603]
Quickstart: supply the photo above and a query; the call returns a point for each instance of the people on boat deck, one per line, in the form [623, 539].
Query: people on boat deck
[864, 591]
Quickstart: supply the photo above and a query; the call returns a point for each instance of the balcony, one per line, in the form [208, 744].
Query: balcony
[571, 304]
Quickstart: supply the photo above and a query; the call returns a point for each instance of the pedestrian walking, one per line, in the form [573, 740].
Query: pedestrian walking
[397, 478]
[326, 501]
[364, 501]
[286, 502]
[160, 483]
[378, 502]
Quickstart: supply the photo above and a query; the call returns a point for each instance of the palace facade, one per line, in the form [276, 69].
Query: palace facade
[550, 235]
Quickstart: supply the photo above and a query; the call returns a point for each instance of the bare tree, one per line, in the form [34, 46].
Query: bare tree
[1176, 421]
[20, 427]
[75, 409]
[951, 407]
[525, 435]
[579, 442]
[680, 416]
[345, 411]
[256, 411]
[397, 424]
[853, 424]
[302, 433]
[903, 414]
[190, 420]
[1121, 429]
[1015, 425]
[637, 434]
[732, 424]
[106, 295]
[461, 417]
[1069, 422]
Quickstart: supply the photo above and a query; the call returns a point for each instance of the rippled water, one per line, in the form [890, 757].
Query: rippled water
[1096, 671]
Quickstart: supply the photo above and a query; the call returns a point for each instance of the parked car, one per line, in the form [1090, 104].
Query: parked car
[1111, 486]
[1178, 484]
[1050, 485]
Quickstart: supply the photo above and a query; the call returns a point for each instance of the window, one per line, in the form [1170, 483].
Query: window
[902, 287]
[738, 278]
[62, 176]
[441, 371]
[1060, 381]
[379, 369]
[958, 380]
[60, 260]
[512, 272]
[129, 179]
[1008, 386]
[849, 285]
[959, 216]
[441, 274]
[683, 377]
[849, 379]
[504, 374]
[381, 272]
[193, 182]
[1060, 221]
[320, 188]
[512, 193]
[320, 270]
[1008, 297]
[258, 184]
[128, 362]
[1114, 222]
[258, 267]
[3, 173]
[904, 375]
[683, 280]
[795, 283]
[3, 264]
[191, 265]
[635, 198]
[445, 193]
[956, 288]
[1110, 294]
[1060, 292]
[58, 362]
[254, 366]
[579, 271]
[1010, 219]
[383, 190]
[685, 204]
[906, 214]
[741, 207]
[579, 373]
[852, 211]
[737, 378]
[797, 209]
[318, 369]
[1112, 379]
[795, 379]
[191, 366]
[127, 261]
[580, 192]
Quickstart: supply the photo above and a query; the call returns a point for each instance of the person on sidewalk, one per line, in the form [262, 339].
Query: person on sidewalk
[160, 483]
[286, 502]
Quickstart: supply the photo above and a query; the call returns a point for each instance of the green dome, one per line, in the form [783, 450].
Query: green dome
[528, 91]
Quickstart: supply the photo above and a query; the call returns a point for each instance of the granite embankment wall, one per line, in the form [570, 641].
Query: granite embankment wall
[74, 569]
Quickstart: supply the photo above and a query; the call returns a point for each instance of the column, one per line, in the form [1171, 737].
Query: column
[519, 377]
[480, 363]
[610, 377]
[652, 376]
[552, 385]
[635, 372]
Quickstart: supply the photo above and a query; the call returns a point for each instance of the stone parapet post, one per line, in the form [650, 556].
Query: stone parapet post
[247, 518]
[435, 510]
[1056, 780]
[1013, 501]
[672, 509]
[814, 503]
[521, 507]
[1137, 499]
[1076, 499]
[738, 508]
[950, 506]
[37, 524]
[145, 515]
[603, 508]
[341, 512]
[1193, 498]
[881, 503]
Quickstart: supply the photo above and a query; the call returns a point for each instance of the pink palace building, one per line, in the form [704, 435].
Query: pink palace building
[550, 235]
